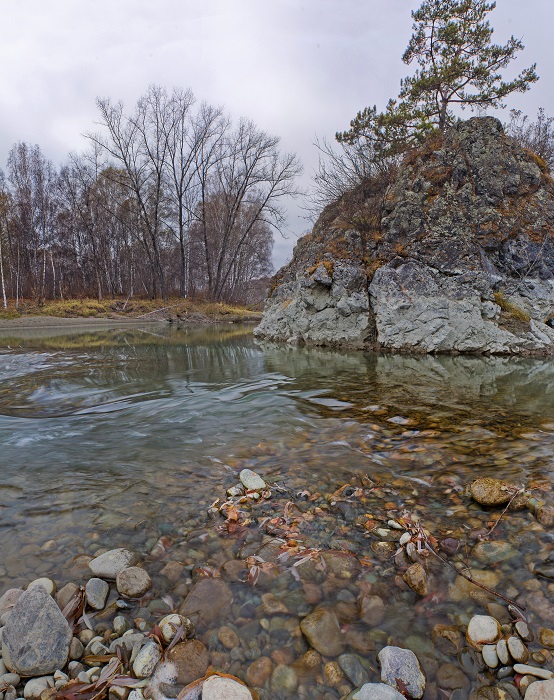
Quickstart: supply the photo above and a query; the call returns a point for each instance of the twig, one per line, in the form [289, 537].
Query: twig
[158, 310]
[463, 575]
[517, 493]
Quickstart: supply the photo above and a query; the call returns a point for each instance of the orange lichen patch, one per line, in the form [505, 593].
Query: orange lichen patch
[510, 308]
[439, 175]
[543, 165]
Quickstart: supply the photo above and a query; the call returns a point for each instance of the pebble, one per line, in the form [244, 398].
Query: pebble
[121, 625]
[228, 637]
[523, 630]
[147, 660]
[36, 686]
[96, 592]
[208, 600]
[283, 679]
[517, 649]
[524, 669]
[10, 679]
[76, 649]
[416, 578]
[491, 492]
[46, 583]
[353, 669]
[133, 582]
[252, 481]
[402, 665]
[546, 637]
[171, 623]
[542, 690]
[545, 516]
[191, 660]
[259, 671]
[482, 629]
[372, 610]
[322, 630]
[490, 657]
[109, 564]
[376, 691]
[217, 688]
[502, 651]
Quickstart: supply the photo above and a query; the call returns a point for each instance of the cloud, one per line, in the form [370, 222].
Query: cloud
[296, 67]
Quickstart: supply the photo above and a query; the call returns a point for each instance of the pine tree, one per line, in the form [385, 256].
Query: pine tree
[457, 65]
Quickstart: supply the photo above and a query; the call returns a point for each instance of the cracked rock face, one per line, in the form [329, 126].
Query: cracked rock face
[461, 258]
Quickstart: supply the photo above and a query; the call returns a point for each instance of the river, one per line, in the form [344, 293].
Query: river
[120, 437]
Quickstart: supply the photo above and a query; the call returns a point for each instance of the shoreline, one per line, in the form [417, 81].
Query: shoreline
[32, 322]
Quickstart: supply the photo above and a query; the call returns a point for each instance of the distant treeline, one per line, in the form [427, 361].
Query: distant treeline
[171, 199]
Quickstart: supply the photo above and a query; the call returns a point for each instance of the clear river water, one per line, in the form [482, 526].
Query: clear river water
[127, 436]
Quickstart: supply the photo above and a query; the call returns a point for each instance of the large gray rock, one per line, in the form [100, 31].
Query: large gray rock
[36, 637]
[455, 255]
[400, 669]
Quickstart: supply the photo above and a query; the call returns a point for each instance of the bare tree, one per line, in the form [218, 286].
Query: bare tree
[537, 136]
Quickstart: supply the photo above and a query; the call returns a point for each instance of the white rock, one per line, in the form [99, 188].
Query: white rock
[217, 688]
[120, 624]
[252, 481]
[171, 623]
[46, 583]
[136, 695]
[235, 491]
[483, 629]
[147, 660]
[35, 686]
[524, 669]
[502, 651]
[10, 679]
[402, 665]
[541, 690]
[109, 564]
[517, 649]
[490, 656]
[376, 691]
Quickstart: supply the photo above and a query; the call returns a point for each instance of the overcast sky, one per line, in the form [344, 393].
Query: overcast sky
[298, 68]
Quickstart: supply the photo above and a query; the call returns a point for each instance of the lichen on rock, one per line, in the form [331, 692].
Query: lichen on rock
[454, 254]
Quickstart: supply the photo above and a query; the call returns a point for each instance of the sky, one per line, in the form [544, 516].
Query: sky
[301, 69]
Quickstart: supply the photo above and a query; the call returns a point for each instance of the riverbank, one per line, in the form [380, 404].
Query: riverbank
[274, 595]
[91, 312]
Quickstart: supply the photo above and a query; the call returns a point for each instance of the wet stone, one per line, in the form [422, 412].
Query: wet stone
[217, 688]
[259, 672]
[228, 637]
[482, 629]
[493, 552]
[492, 492]
[447, 638]
[353, 669]
[252, 481]
[133, 582]
[490, 657]
[321, 629]
[109, 564]
[376, 691]
[96, 592]
[545, 516]
[449, 676]
[416, 578]
[541, 690]
[546, 637]
[525, 669]
[207, 601]
[518, 650]
[402, 666]
[191, 660]
[283, 679]
[146, 660]
[523, 630]
[372, 610]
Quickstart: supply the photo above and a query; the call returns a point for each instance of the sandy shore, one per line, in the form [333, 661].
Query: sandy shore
[26, 322]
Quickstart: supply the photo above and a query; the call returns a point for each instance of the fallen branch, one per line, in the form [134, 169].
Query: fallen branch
[467, 577]
[158, 310]
[516, 493]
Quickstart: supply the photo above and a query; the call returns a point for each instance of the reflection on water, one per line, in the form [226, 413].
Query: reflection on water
[116, 437]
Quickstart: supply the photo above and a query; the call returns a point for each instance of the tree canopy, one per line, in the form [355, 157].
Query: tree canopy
[457, 64]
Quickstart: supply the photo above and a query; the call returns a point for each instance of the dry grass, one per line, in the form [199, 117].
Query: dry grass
[510, 308]
[122, 308]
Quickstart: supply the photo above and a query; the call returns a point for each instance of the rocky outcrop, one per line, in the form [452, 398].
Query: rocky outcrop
[454, 254]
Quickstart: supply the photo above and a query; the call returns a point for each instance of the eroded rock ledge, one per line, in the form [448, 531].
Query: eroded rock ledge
[454, 254]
